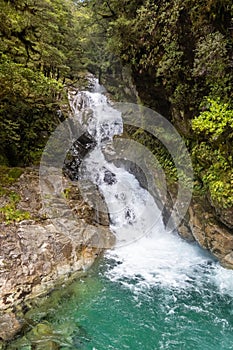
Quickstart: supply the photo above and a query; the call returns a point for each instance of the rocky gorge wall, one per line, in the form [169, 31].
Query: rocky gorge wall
[205, 222]
[35, 256]
[212, 229]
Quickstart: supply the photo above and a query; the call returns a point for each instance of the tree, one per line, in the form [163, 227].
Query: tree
[183, 52]
[180, 53]
[39, 51]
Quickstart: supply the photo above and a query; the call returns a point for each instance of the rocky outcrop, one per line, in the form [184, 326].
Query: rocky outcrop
[204, 223]
[201, 224]
[224, 215]
[41, 253]
[78, 151]
[211, 233]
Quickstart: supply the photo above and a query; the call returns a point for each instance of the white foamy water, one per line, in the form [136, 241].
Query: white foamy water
[93, 111]
[145, 254]
[132, 209]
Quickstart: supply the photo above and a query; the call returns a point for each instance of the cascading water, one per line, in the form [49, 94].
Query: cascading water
[153, 291]
[175, 283]
[154, 255]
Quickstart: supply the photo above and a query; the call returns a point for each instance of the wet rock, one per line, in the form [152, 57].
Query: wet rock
[80, 148]
[95, 209]
[109, 177]
[132, 168]
[130, 216]
[227, 260]
[185, 231]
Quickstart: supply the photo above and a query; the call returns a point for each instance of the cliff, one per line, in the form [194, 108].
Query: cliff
[36, 256]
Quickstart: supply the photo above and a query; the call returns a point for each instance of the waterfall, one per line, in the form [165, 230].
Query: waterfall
[153, 290]
[145, 253]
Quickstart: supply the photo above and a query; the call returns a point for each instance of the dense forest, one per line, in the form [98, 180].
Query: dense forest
[180, 55]
[40, 55]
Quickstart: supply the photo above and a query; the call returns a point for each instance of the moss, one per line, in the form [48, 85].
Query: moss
[3, 191]
[10, 213]
[9, 175]
[67, 193]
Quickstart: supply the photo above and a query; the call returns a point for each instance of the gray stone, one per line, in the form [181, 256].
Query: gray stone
[39, 254]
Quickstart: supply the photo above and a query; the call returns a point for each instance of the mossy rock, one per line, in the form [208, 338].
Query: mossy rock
[9, 211]
[40, 337]
[9, 175]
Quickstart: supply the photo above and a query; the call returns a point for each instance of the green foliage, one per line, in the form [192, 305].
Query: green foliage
[27, 110]
[215, 122]
[154, 145]
[41, 35]
[9, 212]
[212, 153]
[183, 49]
[9, 175]
[39, 52]
[214, 171]
[180, 52]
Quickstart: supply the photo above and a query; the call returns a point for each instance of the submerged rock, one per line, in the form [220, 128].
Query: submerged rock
[130, 216]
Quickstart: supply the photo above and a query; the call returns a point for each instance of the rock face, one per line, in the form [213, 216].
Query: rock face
[202, 224]
[211, 233]
[205, 223]
[224, 215]
[78, 151]
[39, 254]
